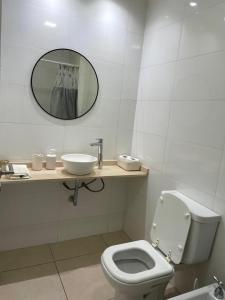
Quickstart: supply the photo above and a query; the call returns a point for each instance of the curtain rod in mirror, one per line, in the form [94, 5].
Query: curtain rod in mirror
[60, 63]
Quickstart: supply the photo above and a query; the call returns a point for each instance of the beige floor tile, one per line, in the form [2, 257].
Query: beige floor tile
[36, 283]
[78, 247]
[20, 258]
[114, 238]
[83, 278]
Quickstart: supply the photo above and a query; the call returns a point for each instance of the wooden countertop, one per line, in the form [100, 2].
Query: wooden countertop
[109, 170]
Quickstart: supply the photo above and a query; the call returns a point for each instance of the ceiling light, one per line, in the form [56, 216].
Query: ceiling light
[193, 4]
[50, 24]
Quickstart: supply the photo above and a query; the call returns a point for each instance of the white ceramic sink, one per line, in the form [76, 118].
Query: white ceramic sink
[79, 164]
[205, 293]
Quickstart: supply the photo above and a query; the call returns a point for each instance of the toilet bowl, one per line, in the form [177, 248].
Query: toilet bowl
[182, 232]
[136, 267]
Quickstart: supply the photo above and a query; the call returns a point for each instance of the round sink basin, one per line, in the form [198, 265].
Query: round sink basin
[79, 164]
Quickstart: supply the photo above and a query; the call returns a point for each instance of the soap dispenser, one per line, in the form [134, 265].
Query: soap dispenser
[51, 159]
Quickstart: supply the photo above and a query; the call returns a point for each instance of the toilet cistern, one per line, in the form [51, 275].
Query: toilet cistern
[99, 144]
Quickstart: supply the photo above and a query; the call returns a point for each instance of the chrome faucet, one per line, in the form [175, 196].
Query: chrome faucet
[99, 144]
[218, 292]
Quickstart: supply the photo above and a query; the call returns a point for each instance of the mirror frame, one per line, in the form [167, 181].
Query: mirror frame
[31, 83]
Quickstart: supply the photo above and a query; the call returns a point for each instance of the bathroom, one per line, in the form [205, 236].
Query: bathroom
[159, 97]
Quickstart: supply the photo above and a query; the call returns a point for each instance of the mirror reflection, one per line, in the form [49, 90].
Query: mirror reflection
[65, 84]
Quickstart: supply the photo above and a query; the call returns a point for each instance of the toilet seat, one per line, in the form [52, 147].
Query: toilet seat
[159, 267]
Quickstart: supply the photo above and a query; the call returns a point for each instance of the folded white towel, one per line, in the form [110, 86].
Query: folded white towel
[20, 171]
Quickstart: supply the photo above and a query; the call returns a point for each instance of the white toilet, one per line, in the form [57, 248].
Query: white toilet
[183, 231]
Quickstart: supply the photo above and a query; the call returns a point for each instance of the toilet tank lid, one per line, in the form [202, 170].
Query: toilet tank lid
[198, 212]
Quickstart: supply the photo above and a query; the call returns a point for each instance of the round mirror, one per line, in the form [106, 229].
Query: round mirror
[64, 84]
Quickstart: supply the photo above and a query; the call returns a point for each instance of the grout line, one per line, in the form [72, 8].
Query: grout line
[58, 272]
[177, 60]
[75, 257]
[28, 267]
[107, 245]
[120, 98]
[182, 100]
[50, 250]
[180, 140]
[164, 157]
[59, 276]
[64, 289]
[220, 169]
[211, 195]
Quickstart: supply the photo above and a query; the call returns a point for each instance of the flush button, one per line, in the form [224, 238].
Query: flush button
[187, 215]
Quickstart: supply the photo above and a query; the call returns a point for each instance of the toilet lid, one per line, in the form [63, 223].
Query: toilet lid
[171, 225]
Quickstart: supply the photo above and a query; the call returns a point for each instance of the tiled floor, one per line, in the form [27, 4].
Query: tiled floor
[62, 271]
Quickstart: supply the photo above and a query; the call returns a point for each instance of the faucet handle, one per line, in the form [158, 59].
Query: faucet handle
[220, 283]
[218, 292]
[99, 140]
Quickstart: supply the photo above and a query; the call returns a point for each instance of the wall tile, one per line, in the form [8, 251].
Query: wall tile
[133, 49]
[20, 141]
[153, 117]
[201, 6]
[150, 150]
[19, 106]
[75, 228]
[194, 165]
[197, 195]
[198, 122]
[156, 83]
[127, 112]
[26, 236]
[200, 78]
[220, 192]
[98, 40]
[17, 62]
[118, 200]
[163, 13]
[110, 78]
[116, 222]
[136, 209]
[38, 204]
[124, 141]
[89, 204]
[109, 13]
[55, 5]
[161, 45]
[136, 15]
[130, 83]
[104, 114]
[24, 25]
[77, 139]
[203, 32]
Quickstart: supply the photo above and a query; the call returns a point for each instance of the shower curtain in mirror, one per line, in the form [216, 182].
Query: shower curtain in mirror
[64, 95]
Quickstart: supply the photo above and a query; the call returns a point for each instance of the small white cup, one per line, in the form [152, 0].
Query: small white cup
[37, 162]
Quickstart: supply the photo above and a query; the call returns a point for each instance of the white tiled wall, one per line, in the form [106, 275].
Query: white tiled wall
[110, 34]
[179, 129]
[38, 213]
